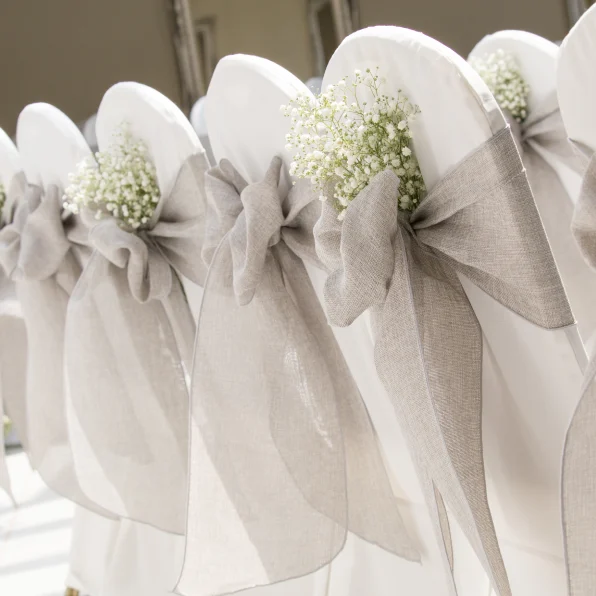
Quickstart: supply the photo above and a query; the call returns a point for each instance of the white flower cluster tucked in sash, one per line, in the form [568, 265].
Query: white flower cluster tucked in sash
[579, 463]
[284, 459]
[480, 221]
[129, 344]
[36, 251]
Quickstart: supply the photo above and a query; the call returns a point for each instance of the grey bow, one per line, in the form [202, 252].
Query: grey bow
[36, 252]
[479, 221]
[544, 146]
[544, 130]
[276, 415]
[129, 338]
[171, 243]
[579, 459]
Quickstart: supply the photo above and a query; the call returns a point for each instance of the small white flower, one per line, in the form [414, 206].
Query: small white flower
[342, 141]
[120, 182]
[406, 151]
[502, 75]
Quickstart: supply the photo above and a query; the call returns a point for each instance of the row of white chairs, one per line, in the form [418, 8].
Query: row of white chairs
[531, 376]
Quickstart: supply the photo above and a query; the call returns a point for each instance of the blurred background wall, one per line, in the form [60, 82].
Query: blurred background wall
[68, 52]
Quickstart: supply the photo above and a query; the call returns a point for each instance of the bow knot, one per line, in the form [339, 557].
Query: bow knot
[256, 218]
[172, 242]
[34, 242]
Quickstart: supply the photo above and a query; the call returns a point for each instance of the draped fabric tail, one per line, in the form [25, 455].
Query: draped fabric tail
[284, 459]
[579, 488]
[579, 459]
[129, 397]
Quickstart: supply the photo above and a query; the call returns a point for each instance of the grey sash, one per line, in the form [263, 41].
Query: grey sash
[284, 459]
[579, 458]
[36, 252]
[129, 337]
[479, 221]
[541, 137]
[13, 346]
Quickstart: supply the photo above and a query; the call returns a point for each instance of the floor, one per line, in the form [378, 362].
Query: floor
[35, 537]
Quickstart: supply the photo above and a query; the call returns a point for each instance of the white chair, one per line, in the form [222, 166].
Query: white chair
[51, 145]
[197, 119]
[247, 128]
[576, 86]
[145, 559]
[530, 375]
[553, 169]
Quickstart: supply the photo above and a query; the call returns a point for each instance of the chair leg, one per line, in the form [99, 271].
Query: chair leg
[71, 592]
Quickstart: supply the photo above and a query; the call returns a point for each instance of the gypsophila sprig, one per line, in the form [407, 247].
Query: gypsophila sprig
[342, 140]
[120, 182]
[502, 75]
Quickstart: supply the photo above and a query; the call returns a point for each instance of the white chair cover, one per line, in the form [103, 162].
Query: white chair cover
[130, 426]
[553, 168]
[529, 373]
[197, 119]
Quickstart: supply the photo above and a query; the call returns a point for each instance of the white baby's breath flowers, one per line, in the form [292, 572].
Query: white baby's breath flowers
[501, 73]
[120, 182]
[341, 141]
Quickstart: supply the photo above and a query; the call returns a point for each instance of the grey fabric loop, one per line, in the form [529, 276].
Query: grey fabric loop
[171, 241]
[129, 337]
[579, 458]
[14, 217]
[276, 413]
[480, 221]
[544, 130]
[44, 244]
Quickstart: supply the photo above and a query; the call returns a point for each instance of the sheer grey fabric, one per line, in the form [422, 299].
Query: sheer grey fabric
[579, 459]
[479, 221]
[13, 350]
[542, 141]
[129, 338]
[284, 459]
[36, 253]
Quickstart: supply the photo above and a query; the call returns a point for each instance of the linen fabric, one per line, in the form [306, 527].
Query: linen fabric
[480, 221]
[129, 337]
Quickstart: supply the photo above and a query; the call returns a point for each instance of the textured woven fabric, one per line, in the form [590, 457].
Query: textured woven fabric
[129, 338]
[579, 460]
[284, 459]
[479, 221]
[543, 144]
[36, 252]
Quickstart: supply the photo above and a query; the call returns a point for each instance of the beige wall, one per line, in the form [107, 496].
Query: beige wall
[68, 52]
[460, 24]
[274, 29]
